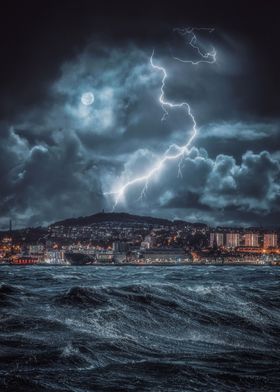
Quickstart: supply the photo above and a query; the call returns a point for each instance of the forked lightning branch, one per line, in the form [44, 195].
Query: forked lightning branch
[174, 151]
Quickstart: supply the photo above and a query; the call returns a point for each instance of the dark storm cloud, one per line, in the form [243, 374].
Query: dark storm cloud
[248, 191]
[33, 178]
[236, 138]
[45, 35]
[58, 157]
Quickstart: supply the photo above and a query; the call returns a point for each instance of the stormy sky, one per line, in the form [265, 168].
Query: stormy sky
[59, 158]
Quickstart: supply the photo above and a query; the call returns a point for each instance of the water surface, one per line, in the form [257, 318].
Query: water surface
[145, 328]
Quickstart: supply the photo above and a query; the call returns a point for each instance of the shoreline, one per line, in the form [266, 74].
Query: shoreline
[144, 265]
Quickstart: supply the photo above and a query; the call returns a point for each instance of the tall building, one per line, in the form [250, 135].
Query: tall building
[119, 246]
[270, 241]
[149, 242]
[35, 249]
[216, 239]
[232, 240]
[251, 240]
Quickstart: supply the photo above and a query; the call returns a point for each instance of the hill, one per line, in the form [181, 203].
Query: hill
[120, 217]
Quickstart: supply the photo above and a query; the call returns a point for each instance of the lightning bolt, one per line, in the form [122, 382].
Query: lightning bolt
[206, 57]
[174, 152]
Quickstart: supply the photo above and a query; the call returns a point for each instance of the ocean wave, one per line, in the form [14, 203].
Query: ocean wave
[175, 329]
[11, 295]
[81, 296]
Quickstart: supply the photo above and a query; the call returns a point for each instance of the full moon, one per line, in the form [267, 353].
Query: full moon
[87, 99]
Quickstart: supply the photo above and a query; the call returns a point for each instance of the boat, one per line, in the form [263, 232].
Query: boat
[25, 260]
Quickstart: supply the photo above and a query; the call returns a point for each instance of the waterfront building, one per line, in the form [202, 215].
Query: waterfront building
[165, 255]
[270, 241]
[105, 256]
[216, 239]
[54, 257]
[119, 246]
[232, 240]
[251, 240]
[36, 249]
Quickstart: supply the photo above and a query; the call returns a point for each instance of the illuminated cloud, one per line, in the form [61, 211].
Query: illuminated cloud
[57, 156]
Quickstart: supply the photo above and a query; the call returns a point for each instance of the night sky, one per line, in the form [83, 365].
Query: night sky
[59, 157]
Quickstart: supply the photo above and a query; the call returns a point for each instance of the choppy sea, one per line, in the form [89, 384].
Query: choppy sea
[140, 328]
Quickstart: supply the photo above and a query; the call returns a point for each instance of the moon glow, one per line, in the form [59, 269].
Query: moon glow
[87, 98]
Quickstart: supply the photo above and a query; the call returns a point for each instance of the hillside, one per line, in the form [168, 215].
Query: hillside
[121, 217]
